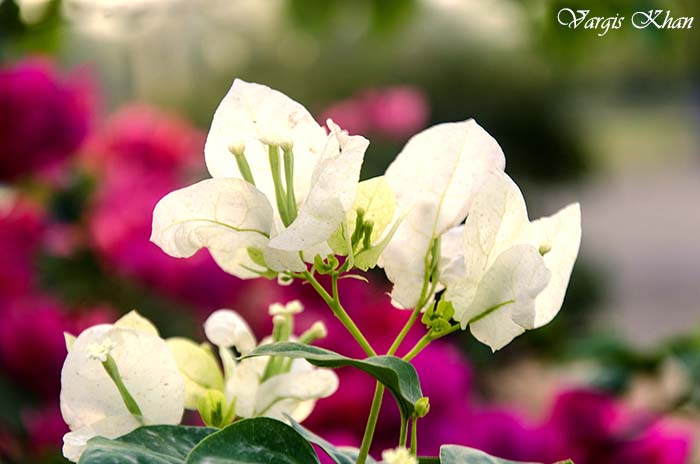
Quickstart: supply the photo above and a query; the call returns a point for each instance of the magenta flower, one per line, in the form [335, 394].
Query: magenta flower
[390, 112]
[21, 229]
[32, 346]
[44, 426]
[43, 117]
[142, 139]
[396, 112]
[592, 428]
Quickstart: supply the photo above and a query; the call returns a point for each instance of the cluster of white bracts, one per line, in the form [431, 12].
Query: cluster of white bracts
[502, 273]
[165, 377]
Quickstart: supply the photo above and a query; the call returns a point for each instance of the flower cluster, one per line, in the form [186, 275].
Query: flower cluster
[447, 225]
[118, 377]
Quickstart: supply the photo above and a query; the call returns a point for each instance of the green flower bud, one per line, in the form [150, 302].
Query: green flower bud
[422, 407]
[215, 410]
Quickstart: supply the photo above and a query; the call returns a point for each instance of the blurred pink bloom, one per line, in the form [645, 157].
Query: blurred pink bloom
[592, 428]
[43, 117]
[21, 229]
[119, 228]
[44, 426]
[142, 139]
[390, 112]
[397, 112]
[32, 346]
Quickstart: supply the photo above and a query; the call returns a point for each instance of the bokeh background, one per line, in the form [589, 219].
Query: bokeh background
[104, 108]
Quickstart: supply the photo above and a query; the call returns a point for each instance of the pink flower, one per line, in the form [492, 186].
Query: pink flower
[141, 139]
[32, 346]
[44, 426]
[592, 428]
[21, 228]
[43, 117]
[391, 112]
[396, 112]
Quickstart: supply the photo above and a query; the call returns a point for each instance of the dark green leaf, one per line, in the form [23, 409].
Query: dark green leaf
[453, 454]
[254, 441]
[396, 374]
[156, 444]
[342, 455]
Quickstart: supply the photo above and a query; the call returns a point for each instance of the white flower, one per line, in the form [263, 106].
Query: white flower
[250, 229]
[226, 328]
[398, 455]
[511, 274]
[294, 392]
[293, 307]
[434, 179]
[92, 405]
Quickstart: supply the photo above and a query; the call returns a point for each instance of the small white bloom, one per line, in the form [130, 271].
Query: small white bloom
[293, 307]
[90, 402]
[434, 178]
[511, 274]
[294, 392]
[240, 223]
[226, 328]
[99, 351]
[398, 455]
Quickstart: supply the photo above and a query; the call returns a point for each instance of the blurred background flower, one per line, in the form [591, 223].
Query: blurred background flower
[104, 107]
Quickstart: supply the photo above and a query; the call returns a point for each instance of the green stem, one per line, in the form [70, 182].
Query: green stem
[280, 195]
[339, 311]
[113, 371]
[404, 331]
[402, 432]
[414, 436]
[289, 178]
[425, 341]
[371, 423]
[244, 168]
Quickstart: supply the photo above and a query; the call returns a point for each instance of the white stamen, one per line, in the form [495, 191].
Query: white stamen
[100, 351]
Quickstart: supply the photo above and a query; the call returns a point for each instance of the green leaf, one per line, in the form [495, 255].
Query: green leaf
[453, 454]
[155, 444]
[339, 455]
[259, 440]
[397, 375]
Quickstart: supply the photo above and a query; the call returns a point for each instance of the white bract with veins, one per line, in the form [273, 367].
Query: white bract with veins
[502, 273]
[280, 186]
[257, 386]
[434, 179]
[91, 403]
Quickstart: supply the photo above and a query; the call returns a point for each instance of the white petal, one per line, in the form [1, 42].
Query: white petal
[250, 112]
[434, 179]
[496, 221]
[226, 328]
[133, 320]
[296, 385]
[509, 287]
[333, 188]
[224, 215]
[452, 267]
[445, 165]
[74, 443]
[147, 368]
[403, 259]
[199, 369]
[243, 384]
[561, 234]
[281, 260]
